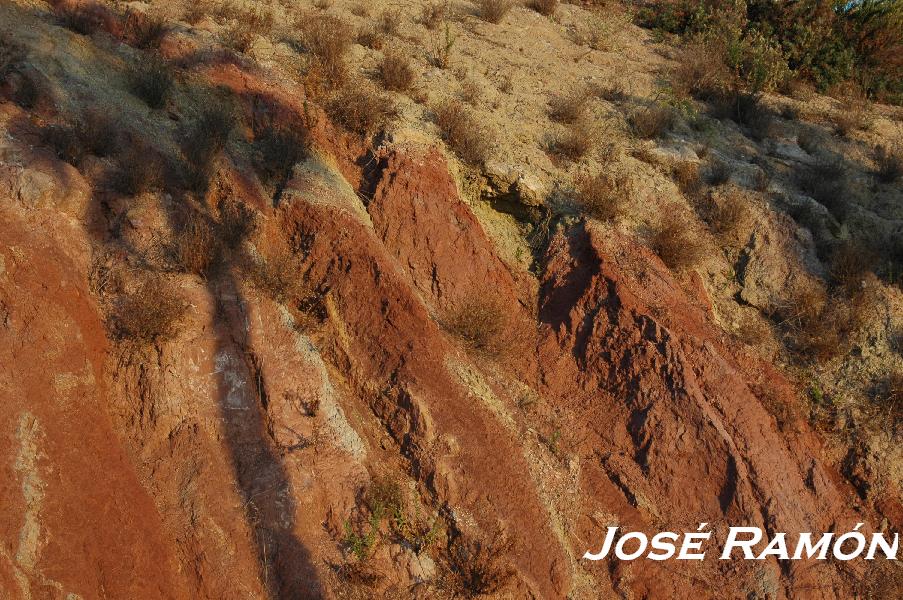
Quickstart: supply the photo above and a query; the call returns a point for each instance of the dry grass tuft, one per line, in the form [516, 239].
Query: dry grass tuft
[493, 11]
[726, 214]
[603, 195]
[361, 109]
[433, 14]
[813, 325]
[462, 132]
[396, 71]
[890, 163]
[544, 7]
[478, 323]
[568, 108]
[278, 273]
[677, 244]
[686, 176]
[827, 184]
[142, 30]
[151, 80]
[850, 264]
[139, 169]
[151, 314]
[327, 39]
[196, 247]
[277, 150]
[477, 568]
[653, 121]
[80, 18]
[575, 142]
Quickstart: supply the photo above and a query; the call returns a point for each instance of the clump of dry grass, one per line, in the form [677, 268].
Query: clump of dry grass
[396, 71]
[479, 323]
[850, 263]
[361, 109]
[575, 142]
[686, 176]
[653, 121]
[98, 132]
[277, 150]
[719, 173]
[278, 272]
[852, 116]
[139, 169]
[433, 14]
[890, 163]
[151, 80]
[65, 142]
[477, 567]
[827, 184]
[143, 30]
[726, 213]
[677, 244]
[813, 325]
[196, 245]
[80, 18]
[203, 141]
[462, 132]
[544, 7]
[568, 108]
[327, 39]
[493, 11]
[151, 314]
[603, 196]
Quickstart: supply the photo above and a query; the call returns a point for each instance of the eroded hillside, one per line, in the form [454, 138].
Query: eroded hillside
[404, 300]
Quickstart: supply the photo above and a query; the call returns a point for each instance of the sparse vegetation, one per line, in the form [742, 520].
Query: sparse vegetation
[890, 163]
[196, 247]
[80, 18]
[65, 143]
[479, 323]
[139, 169]
[544, 7]
[726, 213]
[462, 133]
[477, 567]
[603, 196]
[653, 121]
[719, 172]
[278, 272]
[677, 244]
[849, 265]
[396, 72]
[686, 176]
[151, 314]
[361, 109]
[205, 139]
[327, 39]
[151, 80]
[143, 30]
[826, 183]
[813, 325]
[568, 108]
[575, 142]
[276, 151]
[441, 44]
[493, 11]
[433, 14]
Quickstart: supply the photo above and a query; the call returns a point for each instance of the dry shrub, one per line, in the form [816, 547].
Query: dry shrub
[139, 169]
[600, 30]
[248, 26]
[471, 91]
[98, 132]
[890, 163]
[202, 143]
[891, 397]
[196, 247]
[461, 131]
[677, 244]
[359, 9]
[80, 18]
[544, 7]
[370, 37]
[849, 265]
[278, 273]
[653, 121]
[276, 152]
[827, 184]
[476, 568]
[361, 109]
[65, 142]
[686, 176]
[151, 80]
[433, 14]
[726, 214]
[396, 72]
[604, 196]
[327, 39]
[852, 116]
[719, 173]
[322, 4]
[575, 142]
[142, 30]
[813, 325]
[493, 11]
[696, 74]
[151, 314]
[388, 22]
[479, 323]
[568, 108]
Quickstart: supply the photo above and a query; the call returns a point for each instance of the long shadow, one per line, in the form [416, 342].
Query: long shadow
[285, 565]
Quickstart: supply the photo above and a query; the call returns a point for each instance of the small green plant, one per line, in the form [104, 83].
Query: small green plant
[552, 442]
[361, 544]
[442, 43]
